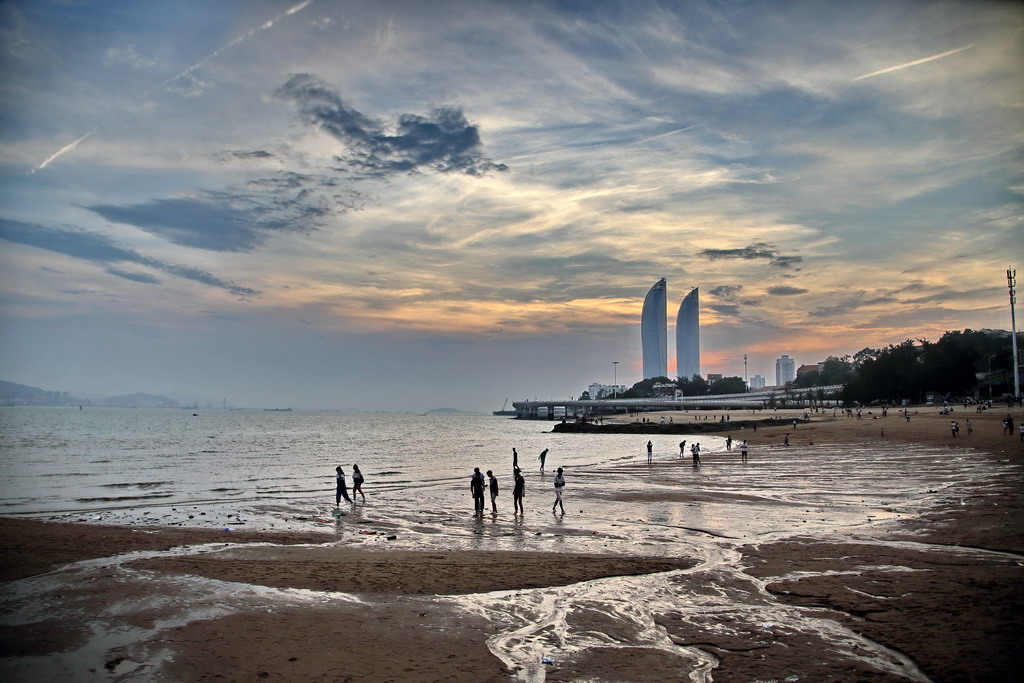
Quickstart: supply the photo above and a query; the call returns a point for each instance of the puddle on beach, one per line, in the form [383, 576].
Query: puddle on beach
[669, 509]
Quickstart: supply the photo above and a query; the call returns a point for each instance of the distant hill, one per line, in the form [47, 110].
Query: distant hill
[13, 394]
[450, 411]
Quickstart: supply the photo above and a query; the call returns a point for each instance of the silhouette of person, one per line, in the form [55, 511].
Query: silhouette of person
[342, 491]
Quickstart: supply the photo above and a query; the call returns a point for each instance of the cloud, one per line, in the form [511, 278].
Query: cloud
[243, 155]
[759, 250]
[786, 291]
[197, 222]
[725, 309]
[443, 142]
[127, 55]
[144, 278]
[239, 218]
[726, 292]
[96, 248]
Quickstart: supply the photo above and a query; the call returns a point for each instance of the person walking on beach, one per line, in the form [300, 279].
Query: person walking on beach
[728, 443]
[542, 458]
[518, 492]
[785, 439]
[682, 448]
[493, 486]
[743, 451]
[954, 428]
[695, 452]
[650, 452]
[476, 487]
[559, 483]
[342, 491]
[515, 460]
[357, 482]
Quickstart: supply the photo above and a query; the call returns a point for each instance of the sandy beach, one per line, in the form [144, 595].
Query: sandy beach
[934, 595]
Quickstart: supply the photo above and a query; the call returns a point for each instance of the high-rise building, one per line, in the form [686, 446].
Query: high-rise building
[757, 382]
[785, 370]
[654, 331]
[688, 336]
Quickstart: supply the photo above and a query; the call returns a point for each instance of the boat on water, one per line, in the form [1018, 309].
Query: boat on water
[278, 410]
[503, 410]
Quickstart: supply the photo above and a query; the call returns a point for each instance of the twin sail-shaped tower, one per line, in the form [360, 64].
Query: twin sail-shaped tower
[654, 333]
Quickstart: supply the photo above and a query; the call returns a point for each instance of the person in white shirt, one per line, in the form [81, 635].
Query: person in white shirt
[559, 482]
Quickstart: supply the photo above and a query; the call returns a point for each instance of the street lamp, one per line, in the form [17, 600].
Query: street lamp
[1011, 282]
[615, 379]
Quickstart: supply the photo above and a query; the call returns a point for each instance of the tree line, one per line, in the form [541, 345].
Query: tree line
[910, 370]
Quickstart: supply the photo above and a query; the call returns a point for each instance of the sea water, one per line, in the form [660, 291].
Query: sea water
[276, 469]
[72, 461]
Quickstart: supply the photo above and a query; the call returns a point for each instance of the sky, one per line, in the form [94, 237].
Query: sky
[404, 205]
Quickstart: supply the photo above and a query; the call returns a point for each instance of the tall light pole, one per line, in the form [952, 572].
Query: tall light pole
[1011, 283]
[615, 380]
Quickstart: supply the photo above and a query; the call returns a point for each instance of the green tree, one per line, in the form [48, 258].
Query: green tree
[949, 364]
[835, 371]
[645, 387]
[728, 385]
[693, 386]
[807, 379]
[893, 374]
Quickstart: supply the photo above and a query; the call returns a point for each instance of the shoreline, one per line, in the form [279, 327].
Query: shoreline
[437, 613]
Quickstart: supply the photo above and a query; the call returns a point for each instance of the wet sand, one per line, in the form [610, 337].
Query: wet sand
[642, 580]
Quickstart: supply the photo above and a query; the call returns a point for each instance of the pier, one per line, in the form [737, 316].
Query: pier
[554, 409]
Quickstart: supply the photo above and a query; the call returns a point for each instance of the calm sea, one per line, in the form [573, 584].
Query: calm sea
[70, 461]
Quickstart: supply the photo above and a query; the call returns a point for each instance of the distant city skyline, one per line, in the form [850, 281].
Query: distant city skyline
[362, 205]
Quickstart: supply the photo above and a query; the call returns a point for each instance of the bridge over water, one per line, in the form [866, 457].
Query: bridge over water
[550, 409]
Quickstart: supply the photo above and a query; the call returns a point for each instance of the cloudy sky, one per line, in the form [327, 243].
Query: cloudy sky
[405, 205]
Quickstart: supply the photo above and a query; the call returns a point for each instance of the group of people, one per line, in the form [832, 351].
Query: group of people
[477, 486]
[695, 450]
[342, 490]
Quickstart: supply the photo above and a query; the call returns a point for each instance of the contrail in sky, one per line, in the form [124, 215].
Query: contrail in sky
[63, 150]
[259, 29]
[915, 62]
[664, 135]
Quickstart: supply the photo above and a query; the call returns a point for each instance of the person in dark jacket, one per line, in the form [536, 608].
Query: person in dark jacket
[476, 487]
[518, 493]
